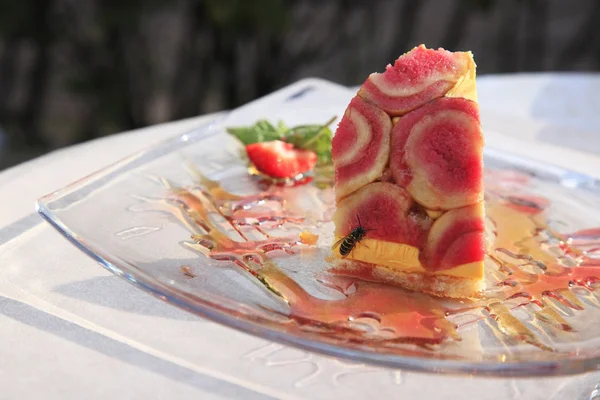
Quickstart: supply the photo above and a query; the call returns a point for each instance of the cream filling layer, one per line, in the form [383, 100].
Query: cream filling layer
[405, 258]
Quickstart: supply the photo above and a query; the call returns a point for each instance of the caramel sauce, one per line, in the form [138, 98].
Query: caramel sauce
[518, 245]
[533, 266]
[524, 252]
[394, 314]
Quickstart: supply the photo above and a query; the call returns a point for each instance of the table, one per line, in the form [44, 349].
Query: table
[94, 336]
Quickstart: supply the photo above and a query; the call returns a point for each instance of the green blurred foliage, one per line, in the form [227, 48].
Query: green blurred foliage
[243, 16]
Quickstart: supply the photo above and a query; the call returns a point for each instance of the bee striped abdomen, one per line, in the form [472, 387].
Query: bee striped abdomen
[347, 246]
[351, 240]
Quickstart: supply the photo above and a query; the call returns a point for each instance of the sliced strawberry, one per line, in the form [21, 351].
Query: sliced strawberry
[279, 159]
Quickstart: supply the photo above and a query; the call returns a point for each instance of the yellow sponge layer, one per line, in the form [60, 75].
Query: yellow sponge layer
[403, 257]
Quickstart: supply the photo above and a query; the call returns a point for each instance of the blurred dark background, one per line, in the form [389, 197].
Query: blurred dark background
[74, 70]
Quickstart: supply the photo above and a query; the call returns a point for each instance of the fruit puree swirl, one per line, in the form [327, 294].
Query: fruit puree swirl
[408, 158]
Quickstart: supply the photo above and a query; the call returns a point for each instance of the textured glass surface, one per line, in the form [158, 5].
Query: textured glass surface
[144, 219]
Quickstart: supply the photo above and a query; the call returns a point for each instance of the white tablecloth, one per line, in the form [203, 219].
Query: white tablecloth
[94, 336]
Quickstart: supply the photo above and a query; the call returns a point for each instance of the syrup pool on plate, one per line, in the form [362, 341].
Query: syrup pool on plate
[529, 267]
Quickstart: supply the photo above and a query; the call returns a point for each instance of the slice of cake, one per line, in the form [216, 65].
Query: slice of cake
[408, 157]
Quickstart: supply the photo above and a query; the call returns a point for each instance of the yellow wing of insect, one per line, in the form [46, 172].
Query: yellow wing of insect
[336, 244]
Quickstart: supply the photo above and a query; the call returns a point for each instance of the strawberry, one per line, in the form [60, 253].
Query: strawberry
[279, 159]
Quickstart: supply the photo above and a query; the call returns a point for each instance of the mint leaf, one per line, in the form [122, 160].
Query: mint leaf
[313, 137]
[322, 146]
[261, 131]
[282, 127]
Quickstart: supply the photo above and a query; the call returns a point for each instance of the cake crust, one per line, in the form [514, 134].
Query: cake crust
[434, 284]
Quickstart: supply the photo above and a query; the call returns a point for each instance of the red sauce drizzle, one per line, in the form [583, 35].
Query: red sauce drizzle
[528, 270]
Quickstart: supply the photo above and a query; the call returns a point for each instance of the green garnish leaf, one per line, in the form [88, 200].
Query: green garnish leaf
[261, 131]
[313, 137]
[282, 127]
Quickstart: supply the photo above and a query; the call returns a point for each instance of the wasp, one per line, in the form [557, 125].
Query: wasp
[348, 242]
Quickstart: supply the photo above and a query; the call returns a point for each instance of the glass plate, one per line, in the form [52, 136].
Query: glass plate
[146, 219]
